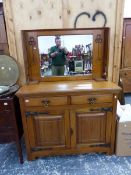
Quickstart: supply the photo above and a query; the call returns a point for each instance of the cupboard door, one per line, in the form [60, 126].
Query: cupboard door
[3, 38]
[90, 128]
[49, 130]
[126, 51]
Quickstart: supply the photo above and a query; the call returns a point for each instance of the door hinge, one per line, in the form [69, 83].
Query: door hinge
[109, 109]
[29, 114]
[101, 145]
[40, 149]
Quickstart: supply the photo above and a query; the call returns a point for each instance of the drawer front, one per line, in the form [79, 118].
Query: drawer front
[125, 73]
[91, 99]
[5, 105]
[6, 120]
[6, 138]
[47, 101]
[126, 85]
[7, 130]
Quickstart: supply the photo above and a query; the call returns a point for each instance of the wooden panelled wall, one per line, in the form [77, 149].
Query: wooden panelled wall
[50, 14]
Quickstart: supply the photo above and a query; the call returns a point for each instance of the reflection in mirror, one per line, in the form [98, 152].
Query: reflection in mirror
[65, 55]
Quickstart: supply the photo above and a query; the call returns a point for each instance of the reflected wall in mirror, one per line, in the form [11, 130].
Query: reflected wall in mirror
[65, 55]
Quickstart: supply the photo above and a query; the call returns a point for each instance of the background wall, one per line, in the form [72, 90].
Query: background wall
[127, 9]
[51, 14]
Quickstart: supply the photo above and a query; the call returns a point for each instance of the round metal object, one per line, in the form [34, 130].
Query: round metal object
[4, 89]
[9, 71]
[9, 91]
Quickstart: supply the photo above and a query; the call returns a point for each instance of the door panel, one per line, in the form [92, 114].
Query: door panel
[125, 72]
[90, 128]
[126, 51]
[49, 130]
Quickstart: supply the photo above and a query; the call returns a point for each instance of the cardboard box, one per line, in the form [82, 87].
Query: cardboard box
[123, 135]
[123, 139]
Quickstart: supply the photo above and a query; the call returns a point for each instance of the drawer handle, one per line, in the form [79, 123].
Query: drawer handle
[91, 101]
[45, 102]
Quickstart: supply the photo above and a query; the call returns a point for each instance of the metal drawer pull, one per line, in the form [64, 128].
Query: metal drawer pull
[45, 102]
[91, 101]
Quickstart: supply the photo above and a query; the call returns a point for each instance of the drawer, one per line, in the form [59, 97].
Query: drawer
[7, 130]
[6, 138]
[47, 101]
[91, 99]
[126, 85]
[125, 73]
[6, 119]
[5, 105]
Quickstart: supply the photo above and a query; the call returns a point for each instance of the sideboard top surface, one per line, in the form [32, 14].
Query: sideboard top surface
[69, 87]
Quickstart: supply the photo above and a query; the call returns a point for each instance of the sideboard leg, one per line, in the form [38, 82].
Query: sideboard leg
[19, 149]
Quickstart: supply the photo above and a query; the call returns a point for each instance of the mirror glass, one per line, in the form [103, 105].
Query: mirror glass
[65, 55]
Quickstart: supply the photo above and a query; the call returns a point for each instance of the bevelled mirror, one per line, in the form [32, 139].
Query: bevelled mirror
[66, 54]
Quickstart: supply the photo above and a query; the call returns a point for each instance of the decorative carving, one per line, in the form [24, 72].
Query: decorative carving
[32, 41]
[98, 39]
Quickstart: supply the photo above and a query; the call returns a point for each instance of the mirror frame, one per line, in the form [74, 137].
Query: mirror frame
[100, 53]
